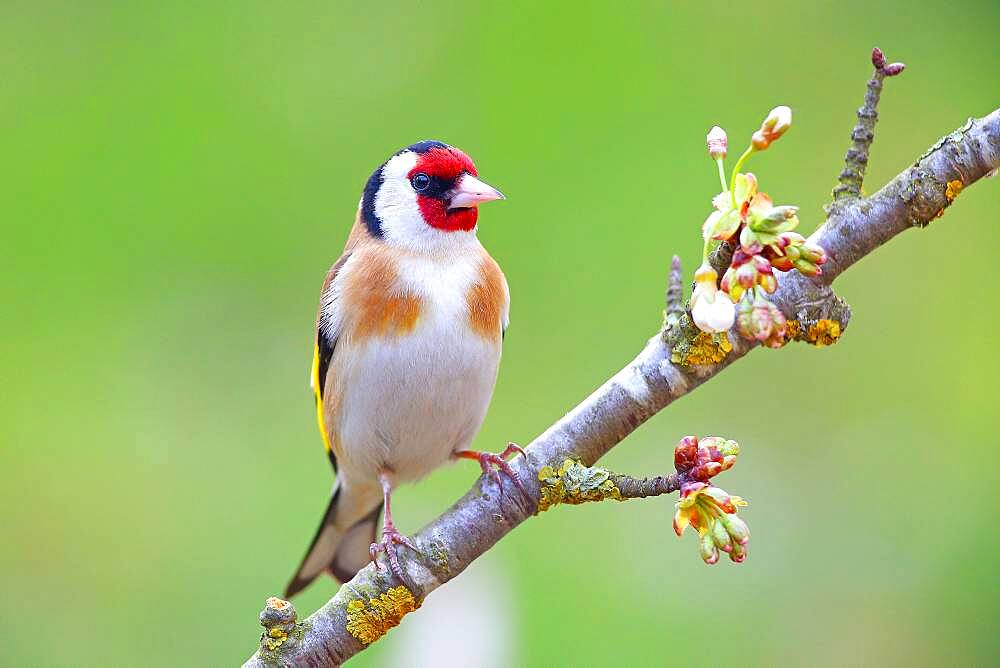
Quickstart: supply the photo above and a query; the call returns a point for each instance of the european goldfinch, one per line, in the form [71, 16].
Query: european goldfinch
[408, 336]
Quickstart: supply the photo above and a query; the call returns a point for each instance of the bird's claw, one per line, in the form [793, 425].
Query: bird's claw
[489, 460]
[390, 538]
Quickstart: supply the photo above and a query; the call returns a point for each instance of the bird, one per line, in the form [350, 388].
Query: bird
[409, 330]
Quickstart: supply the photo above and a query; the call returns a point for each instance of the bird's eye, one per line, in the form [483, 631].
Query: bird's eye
[420, 182]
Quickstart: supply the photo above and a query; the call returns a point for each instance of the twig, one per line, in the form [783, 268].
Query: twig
[856, 160]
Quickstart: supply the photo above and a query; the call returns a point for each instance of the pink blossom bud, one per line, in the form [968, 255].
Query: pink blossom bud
[746, 275]
[749, 242]
[806, 267]
[711, 469]
[721, 537]
[768, 282]
[728, 279]
[878, 58]
[744, 322]
[707, 549]
[717, 143]
[713, 444]
[761, 321]
[893, 69]
[813, 253]
[739, 257]
[728, 447]
[736, 528]
[686, 453]
[775, 125]
[761, 264]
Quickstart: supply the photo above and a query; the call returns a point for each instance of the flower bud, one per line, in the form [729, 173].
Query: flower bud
[709, 469]
[779, 325]
[739, 257]
[721, 537]
[747, 275]
[768, 282]
[813, 253]
[878, 58]
[761, 264]
[791, 238]
[729, 448]
[738, 554]
[781, 213]
[728, 279]
[761, 320]
[744, 322]
[712, 311]
[710, 445]
[736, 528]
[686, 453]
[749, 242]
[707, 550]
[782, 263]
[775, 125]
[806, 267]
[893, 69]
[718, 141]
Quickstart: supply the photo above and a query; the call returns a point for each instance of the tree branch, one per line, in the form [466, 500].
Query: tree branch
[673, 363]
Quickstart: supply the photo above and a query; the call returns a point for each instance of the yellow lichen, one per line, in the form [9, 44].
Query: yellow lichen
[707, 348]
[575, 483]
[823, 333]
[370, 622]
[793, 330]
[275, 638]
[953, 189]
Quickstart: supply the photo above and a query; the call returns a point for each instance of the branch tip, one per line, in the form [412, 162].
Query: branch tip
[277, 612]
[851, 179]
[279, 620]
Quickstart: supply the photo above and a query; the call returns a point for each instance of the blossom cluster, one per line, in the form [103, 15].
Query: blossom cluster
[761, 238]
[708, 509]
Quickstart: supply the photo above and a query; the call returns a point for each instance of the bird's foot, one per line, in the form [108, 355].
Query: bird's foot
[390, 539]
[495, 465]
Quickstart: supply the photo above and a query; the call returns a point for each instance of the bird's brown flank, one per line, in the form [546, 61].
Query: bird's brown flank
[487, 299]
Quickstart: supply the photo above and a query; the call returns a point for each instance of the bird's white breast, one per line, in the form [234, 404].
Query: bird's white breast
[410, 400]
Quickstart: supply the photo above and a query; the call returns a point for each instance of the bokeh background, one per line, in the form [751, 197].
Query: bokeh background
[176, 179]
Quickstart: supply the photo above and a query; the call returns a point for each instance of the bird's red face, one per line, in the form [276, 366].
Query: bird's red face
[435, 178]
[428, 185]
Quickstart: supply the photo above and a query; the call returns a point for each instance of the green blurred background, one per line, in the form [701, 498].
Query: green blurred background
[178, 178]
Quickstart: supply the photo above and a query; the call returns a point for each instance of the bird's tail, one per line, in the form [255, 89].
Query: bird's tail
[341, 544]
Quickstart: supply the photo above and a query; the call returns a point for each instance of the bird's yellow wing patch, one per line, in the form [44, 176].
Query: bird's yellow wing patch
[318, 392]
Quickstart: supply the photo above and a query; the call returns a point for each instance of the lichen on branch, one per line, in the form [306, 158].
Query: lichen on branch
[370, 620]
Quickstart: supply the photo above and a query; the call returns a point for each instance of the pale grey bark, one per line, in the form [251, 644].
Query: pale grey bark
[855, 227]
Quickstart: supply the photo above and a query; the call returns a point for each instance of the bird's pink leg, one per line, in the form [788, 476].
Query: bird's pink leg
[390, 536]
[487, 460]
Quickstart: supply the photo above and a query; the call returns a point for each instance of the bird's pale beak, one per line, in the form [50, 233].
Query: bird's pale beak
[470, 191]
